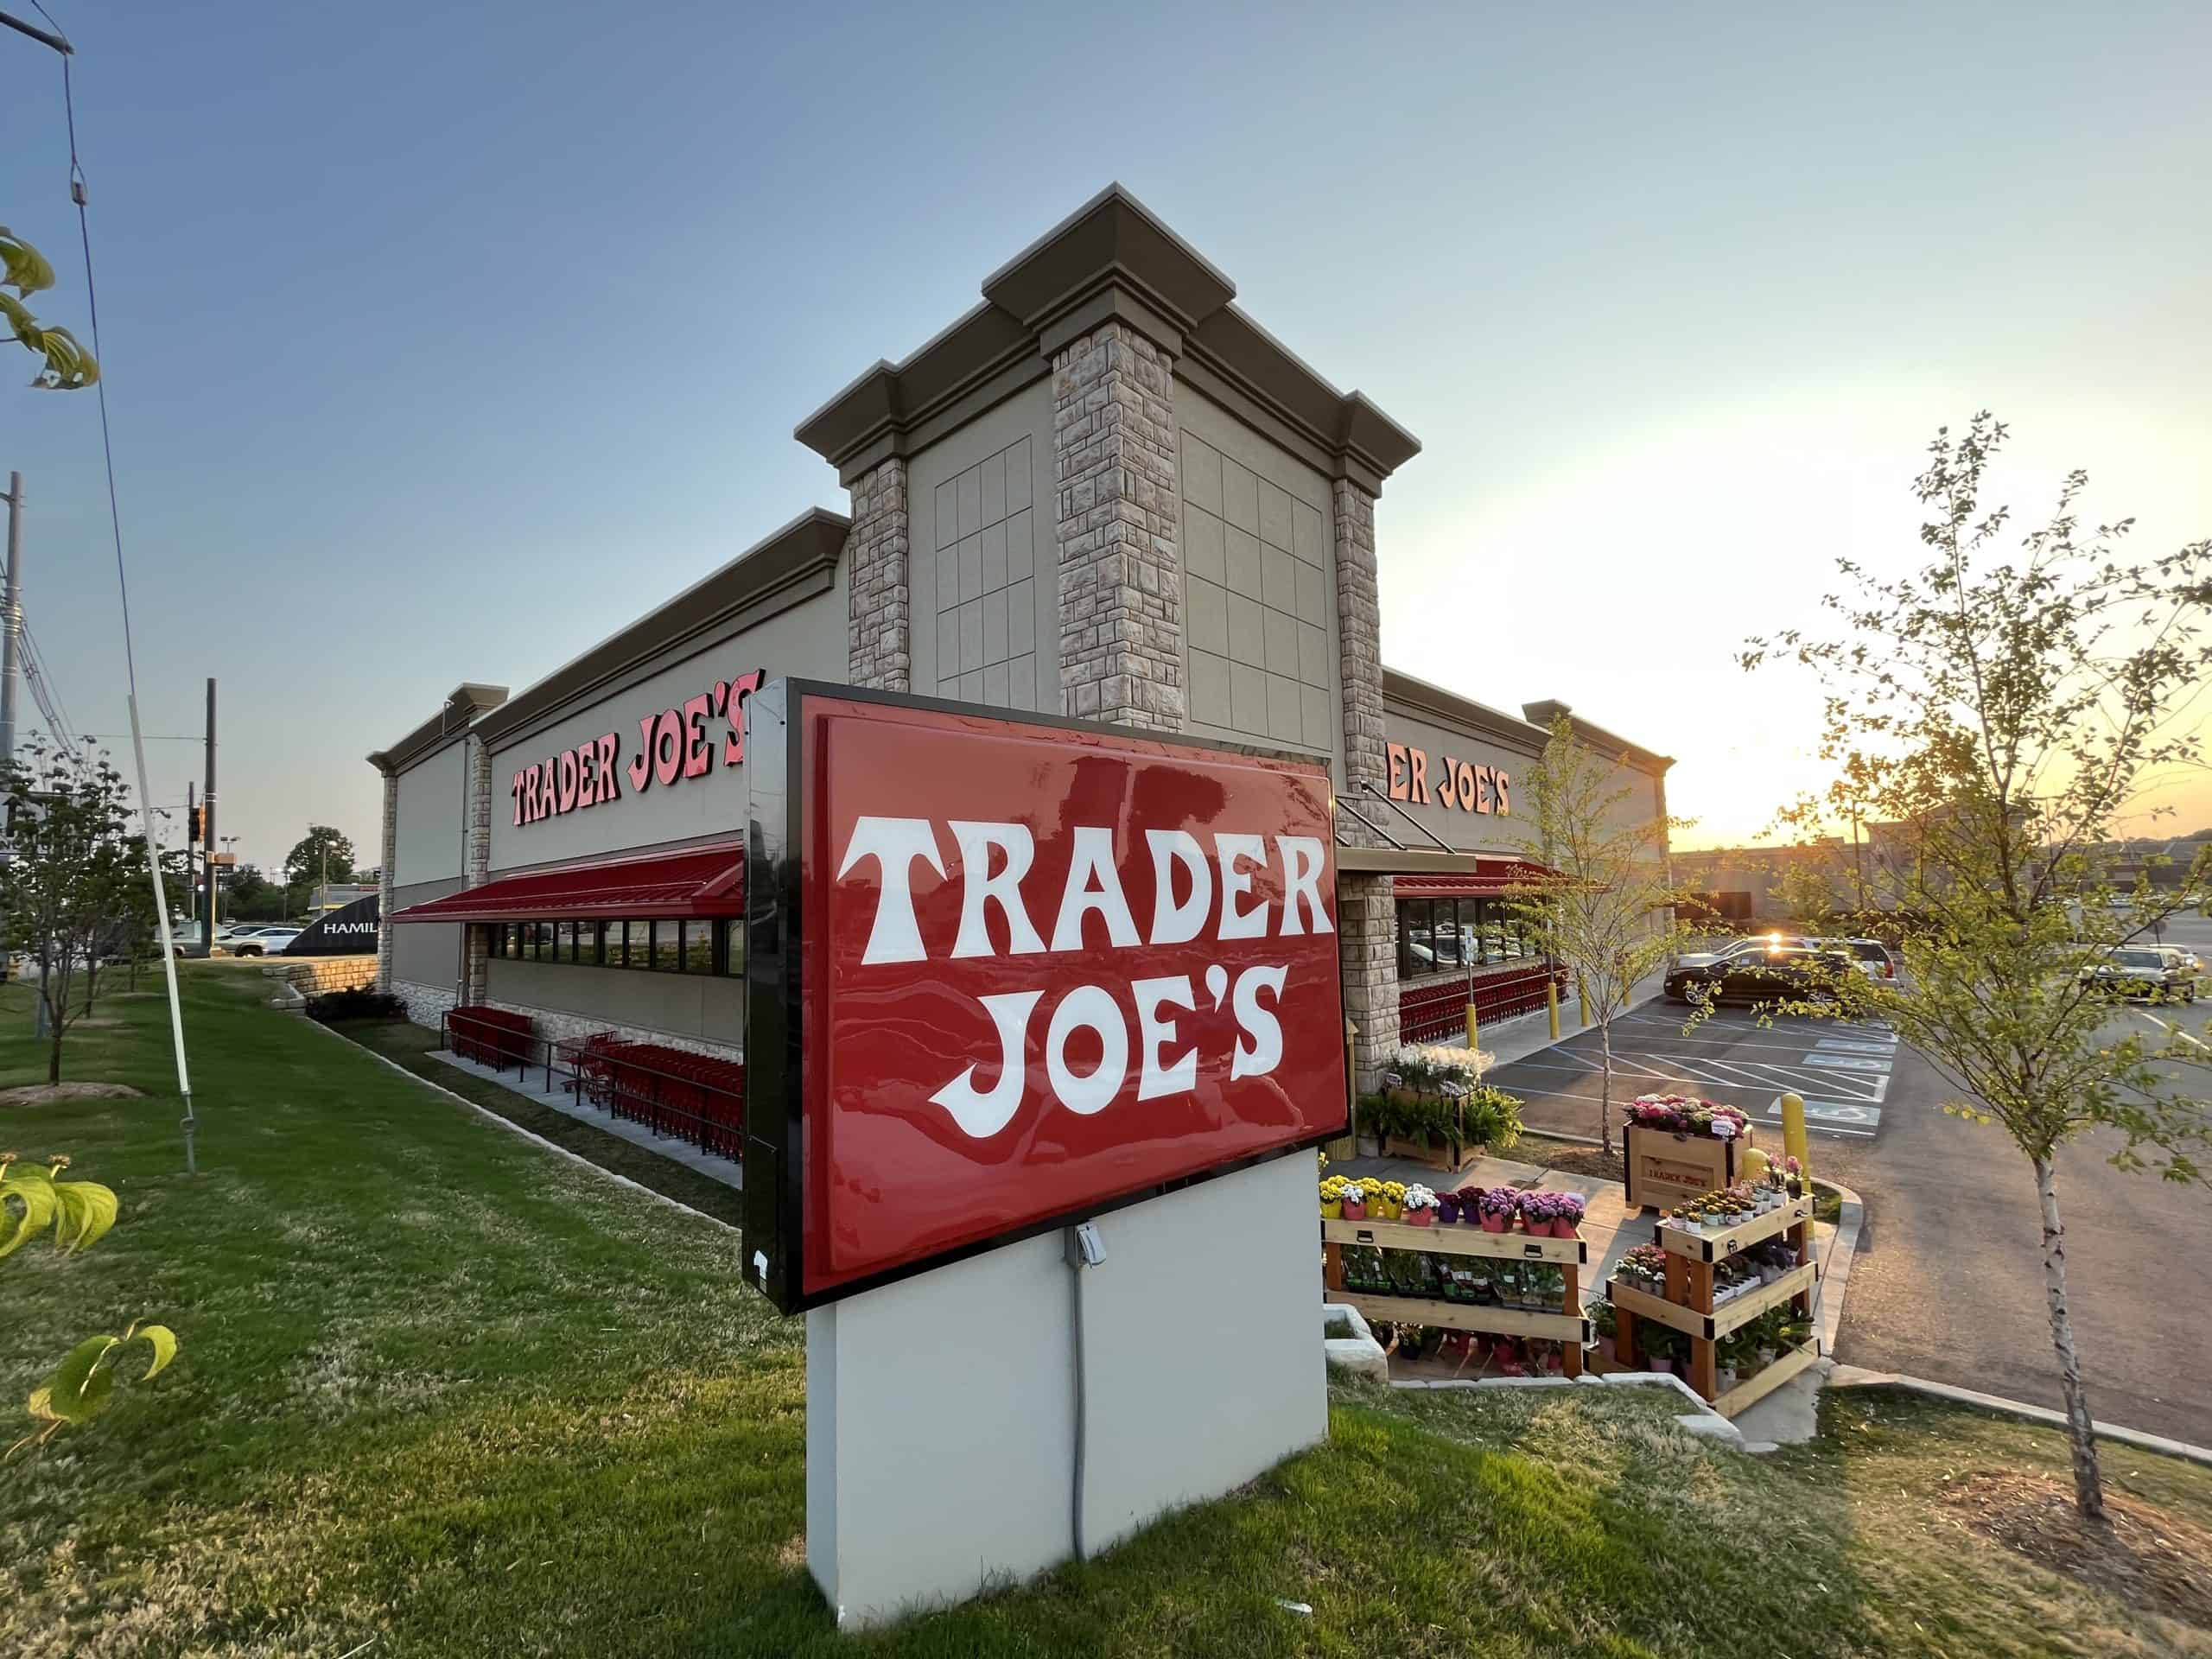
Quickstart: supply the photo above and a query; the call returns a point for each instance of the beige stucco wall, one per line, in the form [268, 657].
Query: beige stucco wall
[984, 571]
[427, 842]
[807, 639]
[678, 1005]
[1261, 626]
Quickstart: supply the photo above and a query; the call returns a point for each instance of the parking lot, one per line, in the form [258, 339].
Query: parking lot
[1842, 1069]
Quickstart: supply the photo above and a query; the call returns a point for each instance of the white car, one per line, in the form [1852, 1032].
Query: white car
[260, 941]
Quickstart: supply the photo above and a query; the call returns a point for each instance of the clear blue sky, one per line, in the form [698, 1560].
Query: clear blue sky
[442, 342]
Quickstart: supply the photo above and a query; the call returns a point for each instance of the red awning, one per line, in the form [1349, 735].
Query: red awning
[697, 881]
[1492, 875]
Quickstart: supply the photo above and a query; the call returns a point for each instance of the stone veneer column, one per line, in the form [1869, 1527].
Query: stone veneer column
[384, 881]
[1118, 512]
[1366, 909]
[879, 640]
[476, 975]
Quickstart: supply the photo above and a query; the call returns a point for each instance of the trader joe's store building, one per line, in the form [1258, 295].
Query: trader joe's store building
[1103, 491]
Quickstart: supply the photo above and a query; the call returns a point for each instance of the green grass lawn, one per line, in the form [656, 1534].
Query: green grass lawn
[444, 1389]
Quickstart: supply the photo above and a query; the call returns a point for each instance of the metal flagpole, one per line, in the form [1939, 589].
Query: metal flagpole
[168, 947]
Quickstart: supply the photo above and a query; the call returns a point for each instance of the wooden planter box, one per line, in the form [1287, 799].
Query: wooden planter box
[1666, 1171]
[1451, 1157]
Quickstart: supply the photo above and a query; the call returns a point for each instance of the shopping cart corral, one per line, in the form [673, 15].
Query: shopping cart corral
[670, 1091]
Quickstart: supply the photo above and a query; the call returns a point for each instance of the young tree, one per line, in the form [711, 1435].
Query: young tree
[69, 366]
[1989, 719]
[67, 842]
[321, 854]
[1607, 914]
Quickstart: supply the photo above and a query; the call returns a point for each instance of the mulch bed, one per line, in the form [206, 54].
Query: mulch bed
[2149, 1556]
[1572, 1158]
[45, 1094]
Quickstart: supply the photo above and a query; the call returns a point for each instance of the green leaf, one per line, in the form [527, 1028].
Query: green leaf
[164, 1345]
[34, 1189]
[80, 1387]
[88, 1211]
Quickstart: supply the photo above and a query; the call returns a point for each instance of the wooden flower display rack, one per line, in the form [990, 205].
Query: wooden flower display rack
[1687, 1305]
[1570, 1330]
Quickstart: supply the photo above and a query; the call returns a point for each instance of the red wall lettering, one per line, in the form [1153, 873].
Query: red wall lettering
[1459, 785]
[673, 744]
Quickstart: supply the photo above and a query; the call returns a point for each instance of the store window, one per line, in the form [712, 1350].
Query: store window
[703, 946]
[1441, 935]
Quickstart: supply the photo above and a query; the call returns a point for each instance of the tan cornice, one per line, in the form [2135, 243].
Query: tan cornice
[1111, 259]
[1544, 712]
[464, 706]
[791, 565]
[1403, 692]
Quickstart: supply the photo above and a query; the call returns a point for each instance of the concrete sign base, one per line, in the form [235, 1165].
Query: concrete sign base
[941, 1410]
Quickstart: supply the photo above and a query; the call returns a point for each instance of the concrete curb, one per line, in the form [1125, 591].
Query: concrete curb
[1851, 1377]
[1358, 1353]
[1836, 1267]
[1700, 1420]
[513, 1128]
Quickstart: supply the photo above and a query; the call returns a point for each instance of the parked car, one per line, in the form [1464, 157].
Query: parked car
[2144, 971]
[1744, 947]
[263, 941]
[2186, 965]
[1768, 975]
[1870, 957]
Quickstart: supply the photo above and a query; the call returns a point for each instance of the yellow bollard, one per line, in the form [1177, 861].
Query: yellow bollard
[1795, 1143]
[1793, 1137]
[1551, 1005]
[1473, 1032]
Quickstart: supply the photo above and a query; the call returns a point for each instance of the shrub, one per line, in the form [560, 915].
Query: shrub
[362, 1003]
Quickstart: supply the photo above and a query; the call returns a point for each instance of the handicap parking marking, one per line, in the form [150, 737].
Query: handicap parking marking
[1836, 1117]
[1846, 1062]
[1848, 1046]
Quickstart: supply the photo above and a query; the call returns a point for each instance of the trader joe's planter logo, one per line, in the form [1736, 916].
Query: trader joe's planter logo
[673, 745]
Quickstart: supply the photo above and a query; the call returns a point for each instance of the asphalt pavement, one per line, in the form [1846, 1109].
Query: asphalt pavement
[1949, 1280]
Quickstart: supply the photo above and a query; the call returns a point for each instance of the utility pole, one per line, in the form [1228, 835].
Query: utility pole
[11, 618]
[208, 825]
[191, 835]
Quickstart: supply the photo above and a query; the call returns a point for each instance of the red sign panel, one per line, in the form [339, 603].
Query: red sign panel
[1046, 969]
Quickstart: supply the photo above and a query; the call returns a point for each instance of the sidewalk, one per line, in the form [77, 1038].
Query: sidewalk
[1523, 1035]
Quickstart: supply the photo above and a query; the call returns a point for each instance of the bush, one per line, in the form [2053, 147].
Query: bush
[359, 1004]
[1483, 1116]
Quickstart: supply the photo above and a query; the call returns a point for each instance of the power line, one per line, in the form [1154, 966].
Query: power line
[80, 194]
[43, 689]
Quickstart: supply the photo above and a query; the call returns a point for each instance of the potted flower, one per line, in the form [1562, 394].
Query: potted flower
[1605, 1321]
[1352, 1202]
[1393, 1201]
[1566, 1215]
[1447, 1209]
[1471, 1198]
[1537, 1214]
[1332, 1197]
[1496, 1207]
[1419, 1206]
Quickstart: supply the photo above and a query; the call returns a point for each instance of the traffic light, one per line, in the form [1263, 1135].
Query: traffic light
[192, 831]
